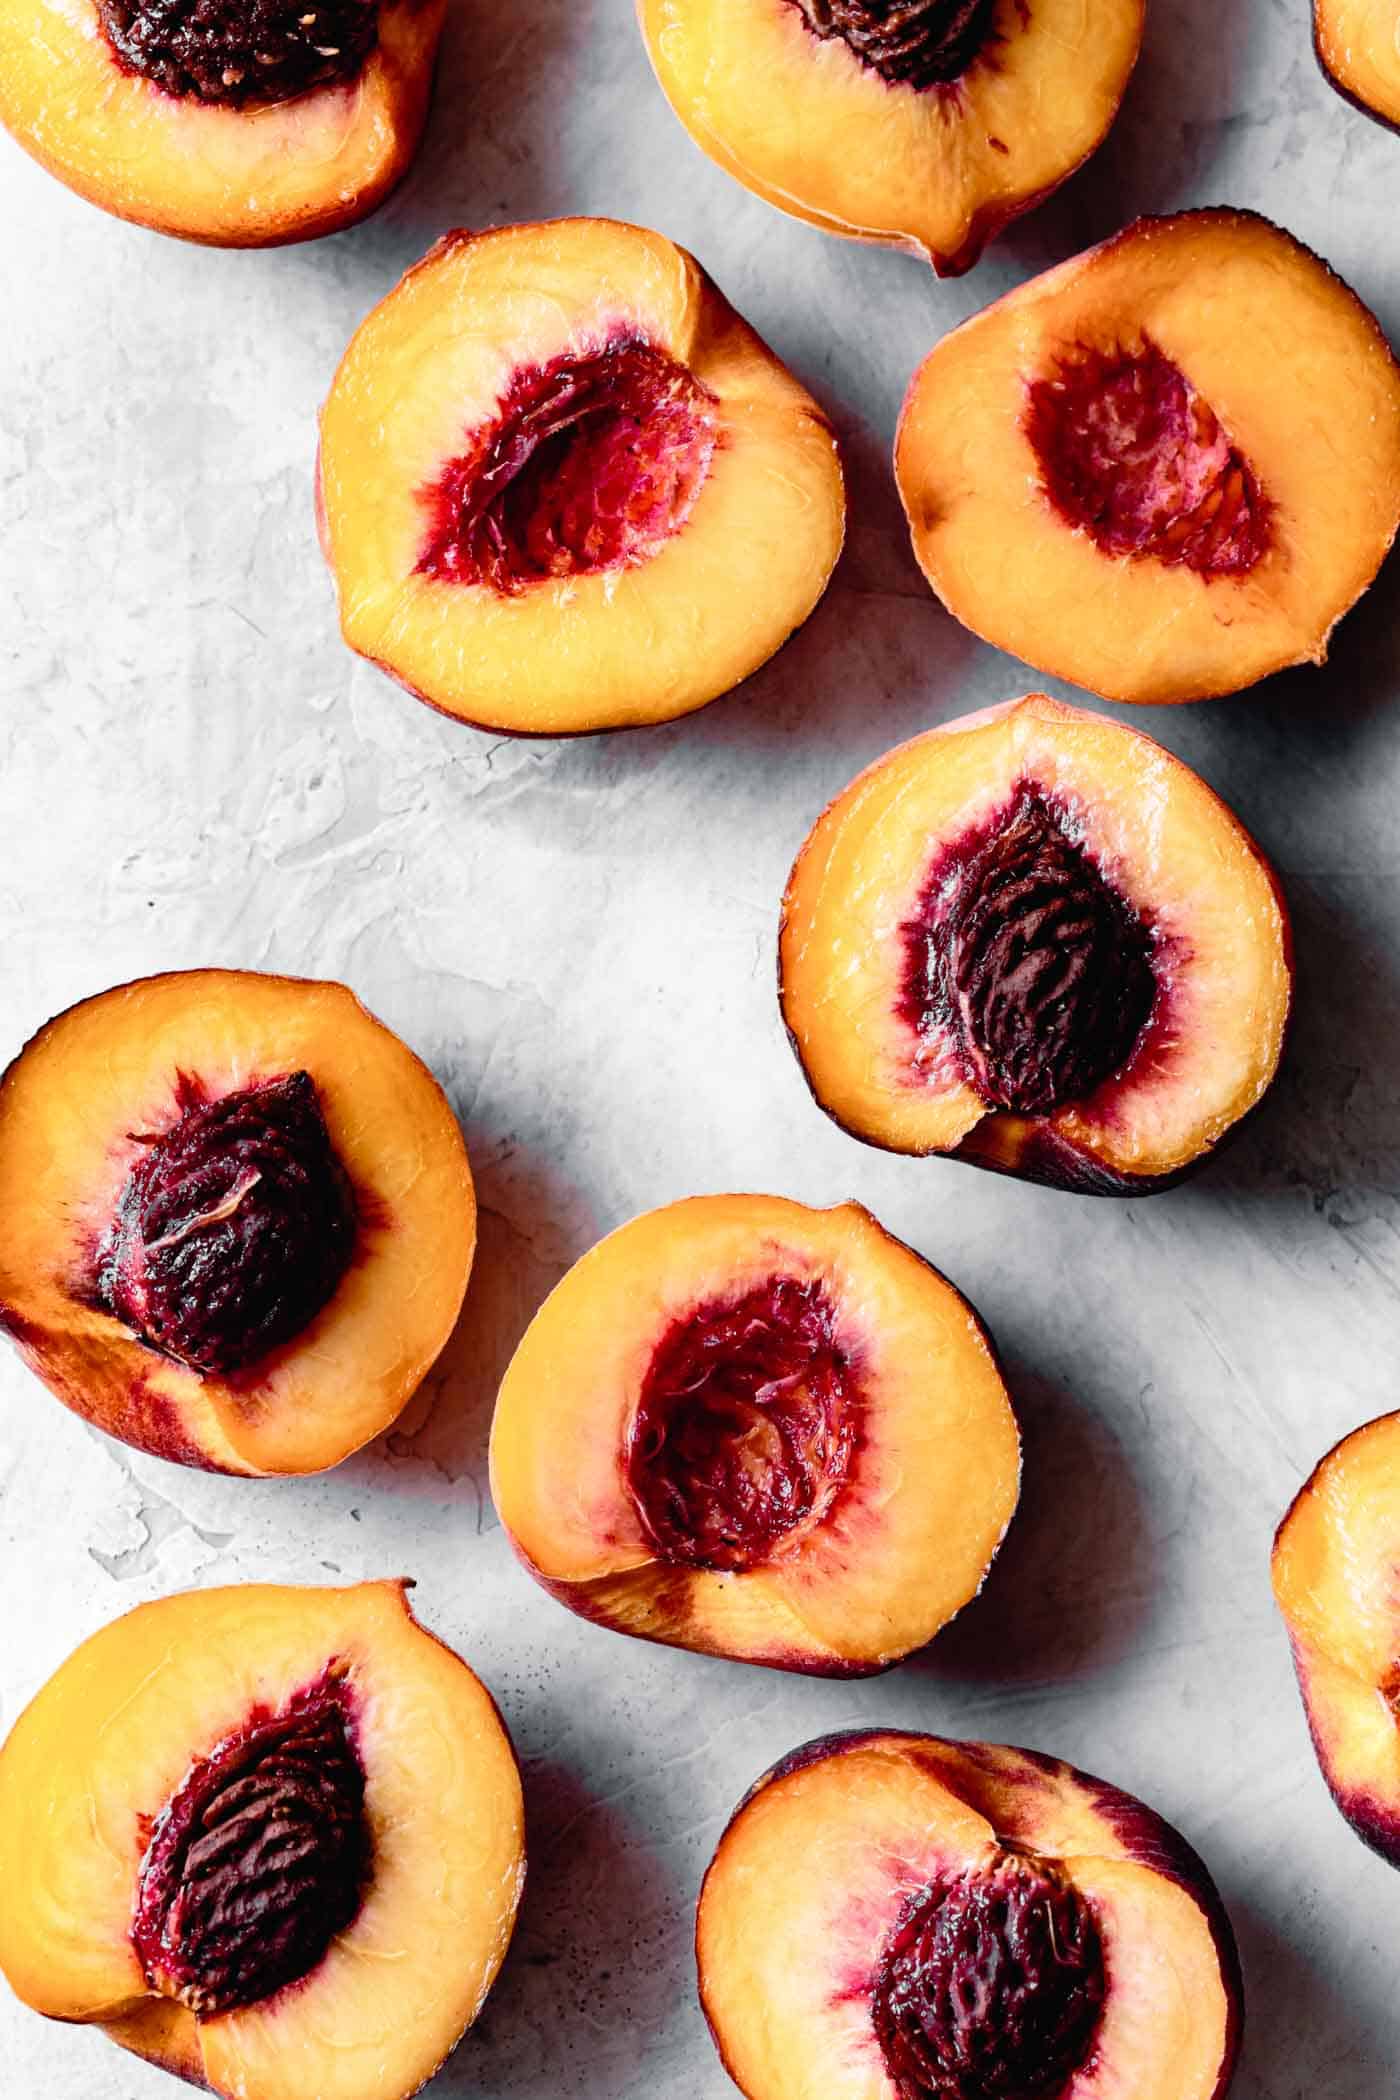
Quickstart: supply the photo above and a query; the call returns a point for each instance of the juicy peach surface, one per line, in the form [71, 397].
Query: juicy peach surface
[1301, 382]
[1334, 1570]
[907, 1539]
[73, 1106]
[829, 1850]
[237, 178]
[940, 170]
[611, 647]
[1358, 50]
[1222, 952]
[108, 1741]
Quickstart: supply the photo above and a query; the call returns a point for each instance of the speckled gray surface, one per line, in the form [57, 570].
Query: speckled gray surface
[579, 938]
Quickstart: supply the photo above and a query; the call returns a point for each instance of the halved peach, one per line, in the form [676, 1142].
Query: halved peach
[236, 1218]
[169, 116]
[1334, 1568]
[563, 487]
[892, 1915]
[270, 1838]
[761, 1431]
[1165, 468]
[926, 127]
[1358, 48]
[1034, 939]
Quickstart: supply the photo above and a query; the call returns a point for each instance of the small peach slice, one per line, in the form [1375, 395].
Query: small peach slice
[1359, 51]
[927, 128]
[1035, 940]
[233, 175]
[894, 1916]
[758, 1430]
[1164, 469]
[270, 1838]
[1334, 1568]
[236, 1218]
[563, 487]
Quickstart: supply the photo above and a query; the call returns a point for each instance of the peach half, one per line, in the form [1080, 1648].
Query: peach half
[926, 126]
[1162, 470]
[1358, 48]
[239, 123]
[271, 1839]
[563, 487]
[758, 1430]
[893, 1916]
[1035, 940]
[236, 1218]
[1334, 1568]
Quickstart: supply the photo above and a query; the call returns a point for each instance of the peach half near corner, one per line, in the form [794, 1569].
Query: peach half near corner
[236, 1218]
[271, 1839]
[563, 487]
[1359, 51]
[1334, 1566]
[893, 1916]
[926, 126]
[1035, 940]
[239, 123]
[1162, 470]
[761, 1431]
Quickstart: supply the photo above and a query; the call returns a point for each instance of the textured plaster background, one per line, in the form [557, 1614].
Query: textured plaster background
[579, 938]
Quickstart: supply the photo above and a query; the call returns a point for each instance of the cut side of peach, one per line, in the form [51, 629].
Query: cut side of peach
[238, 177]
[1359, 51]
[1164, 469]
[1037, 941]
[927, 129]
[1334, 1569]
[886, 1909]
[100, 1090]
[563, 487]
[91, 1767]
[758, 1430]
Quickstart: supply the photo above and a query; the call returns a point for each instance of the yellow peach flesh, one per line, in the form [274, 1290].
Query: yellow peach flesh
[1159, 835]
[609, 648]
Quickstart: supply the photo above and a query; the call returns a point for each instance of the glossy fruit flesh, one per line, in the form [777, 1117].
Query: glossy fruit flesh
[241, 51]
[1041, 969]
[259, 1860]
[744, 1428]
[1131, 453]
[593, 462]
[919, 43]
[233, 1229]
[991, 1987]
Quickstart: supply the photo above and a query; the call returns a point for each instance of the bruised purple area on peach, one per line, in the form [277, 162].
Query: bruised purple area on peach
[746, 1426]
[590, 462]
[670, 1594]
[1375, 1820]
[1130, 453]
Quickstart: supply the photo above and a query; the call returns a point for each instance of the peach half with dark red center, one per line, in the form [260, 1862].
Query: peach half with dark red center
[1162, 470]
[894, 1916]
[1359, 51]
[1037, 941]
[269, 1838]
[1334, 1569]
[563, 487]
[236, 1218]
[240, 123]
[925, 124]
[758, 1430]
